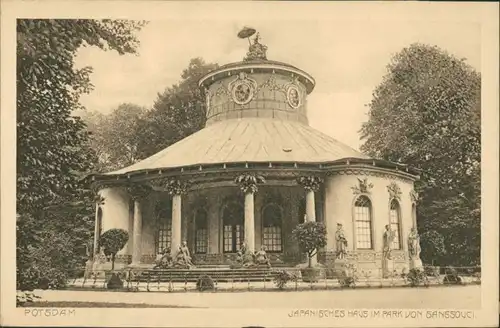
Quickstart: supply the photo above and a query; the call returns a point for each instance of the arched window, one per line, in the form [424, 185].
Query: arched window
[395, 226]
[164, 229]
[271, 230]
[201, 231]
[363, 222]
[233, 219]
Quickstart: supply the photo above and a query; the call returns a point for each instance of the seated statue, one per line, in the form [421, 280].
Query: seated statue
[261, 257]
[183, 257]
[163, 259]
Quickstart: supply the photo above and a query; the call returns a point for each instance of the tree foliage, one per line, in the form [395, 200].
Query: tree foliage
[115, 137]
[179, 111]
[427, 113]
[112, 241]
[131, 133]
[310, 236]
[53, 150]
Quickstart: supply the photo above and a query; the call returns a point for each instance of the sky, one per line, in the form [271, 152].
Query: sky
[346, 56]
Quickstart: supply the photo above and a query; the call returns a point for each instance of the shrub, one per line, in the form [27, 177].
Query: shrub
[416, 277]
[205, 282]
[348, 277]
[115, 281]
[112, 241]
[282, 277]
[23, 297]
[311, 236]
[432, 271]
[451, 276]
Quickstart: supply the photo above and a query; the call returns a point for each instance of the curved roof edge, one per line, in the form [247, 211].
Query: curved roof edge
[403, 170]
[266, 65]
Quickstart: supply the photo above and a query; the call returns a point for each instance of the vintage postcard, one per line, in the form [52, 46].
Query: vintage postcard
[249, 163]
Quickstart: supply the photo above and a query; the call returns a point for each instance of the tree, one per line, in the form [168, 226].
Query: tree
[426, 113]
[53, 150]
[178, 112]
[132, 133]
[112, 241]
[311, 236]
[115, 137]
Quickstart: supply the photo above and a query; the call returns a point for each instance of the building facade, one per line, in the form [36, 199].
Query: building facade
[252, 174]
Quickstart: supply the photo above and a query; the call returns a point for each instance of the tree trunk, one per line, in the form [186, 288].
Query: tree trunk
[112, 262]
[309, 260]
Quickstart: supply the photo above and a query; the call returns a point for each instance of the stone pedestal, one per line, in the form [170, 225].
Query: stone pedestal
[416, 264]
[387, 268]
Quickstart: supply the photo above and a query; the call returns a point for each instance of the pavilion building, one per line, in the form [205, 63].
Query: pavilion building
[257, 126]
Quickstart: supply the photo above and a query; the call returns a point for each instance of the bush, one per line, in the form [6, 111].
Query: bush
[348, 277]
[311, 236]
[115, 282]
[416, 277]
[205, 282]
[112, 241]
[282, 277]
[23, 297]
[451, 276]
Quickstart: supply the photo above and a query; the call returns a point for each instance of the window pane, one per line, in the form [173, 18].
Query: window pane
[394, 217]
[363, 223]
[271, 234]
[164, 232]
[201, 235]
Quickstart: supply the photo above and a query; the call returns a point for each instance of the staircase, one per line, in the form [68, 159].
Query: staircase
[218, 274]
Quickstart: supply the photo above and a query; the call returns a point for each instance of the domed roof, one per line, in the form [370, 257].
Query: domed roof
[248, 140]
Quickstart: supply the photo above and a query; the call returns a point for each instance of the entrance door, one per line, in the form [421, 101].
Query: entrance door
[233, 220]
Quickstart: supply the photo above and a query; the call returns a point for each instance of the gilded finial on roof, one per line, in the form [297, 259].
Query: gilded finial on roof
[256, 50]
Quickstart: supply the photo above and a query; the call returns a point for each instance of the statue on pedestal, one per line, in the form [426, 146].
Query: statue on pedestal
[414, 244]
[183, 257]
[341, 242]
[261, 257]
[388, 239]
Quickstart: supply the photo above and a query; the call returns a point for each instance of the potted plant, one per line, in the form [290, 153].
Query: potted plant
[112, 241]
[311, 236]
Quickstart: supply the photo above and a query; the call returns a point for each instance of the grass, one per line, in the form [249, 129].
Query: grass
[70, 304]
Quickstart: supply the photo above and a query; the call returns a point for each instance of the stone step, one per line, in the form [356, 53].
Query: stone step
[225, 275]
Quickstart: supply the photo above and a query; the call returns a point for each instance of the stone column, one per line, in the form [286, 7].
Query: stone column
[176, 223]
[176, 188]
[310, 205]
[249, 221]
[311, 184]
[137, 193]
[248, 185]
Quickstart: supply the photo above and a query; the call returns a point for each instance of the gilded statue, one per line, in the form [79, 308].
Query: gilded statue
[388, 239]
[341, 242]
[414, 243]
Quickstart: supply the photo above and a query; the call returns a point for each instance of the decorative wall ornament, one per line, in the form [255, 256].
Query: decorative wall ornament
[414, 196]
[363, 187]
[173, 186]
[138, 191]
[310, 182]
[394, 191]
[293, 96]
[242, 89]
[249, 182]
[369, 172]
